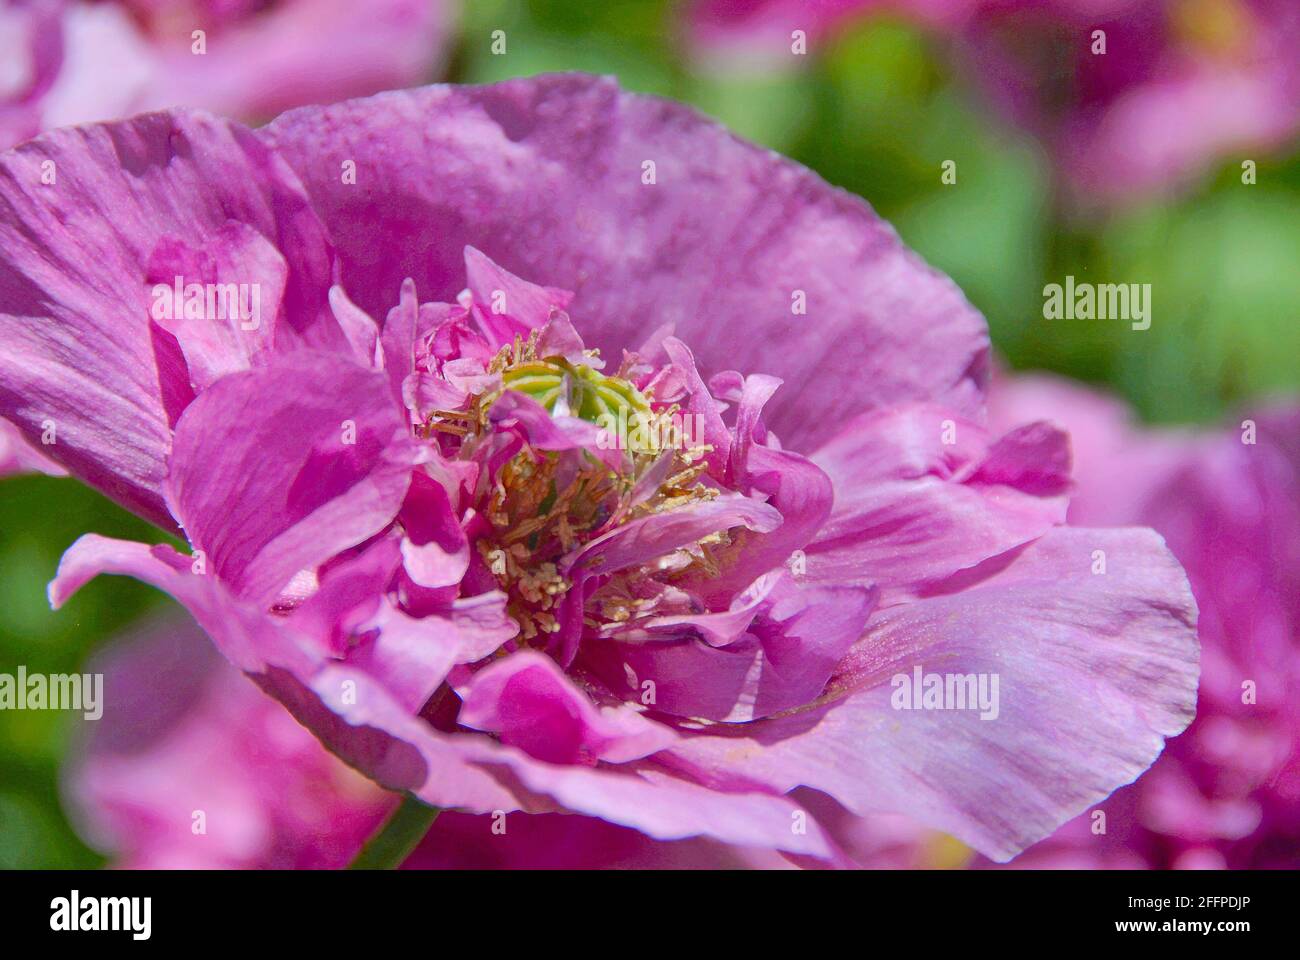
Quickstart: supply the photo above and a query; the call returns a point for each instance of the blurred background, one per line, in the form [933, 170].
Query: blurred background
[1167, 159]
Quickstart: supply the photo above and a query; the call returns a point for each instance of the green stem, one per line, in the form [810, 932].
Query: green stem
[401, 833]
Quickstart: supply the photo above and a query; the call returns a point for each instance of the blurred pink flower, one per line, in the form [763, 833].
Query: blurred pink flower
[1226, 793]
[1181, 85]
[192, 767]
[72, 61]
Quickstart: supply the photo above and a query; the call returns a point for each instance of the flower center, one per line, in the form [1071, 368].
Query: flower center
[546, 504]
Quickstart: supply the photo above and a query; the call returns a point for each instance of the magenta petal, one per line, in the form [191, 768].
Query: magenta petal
[559, 338]
[349, 593]
[424, 393]
[791, 646]
[649, 538]
[411, 657]
[1033, 458]
[1095, 670]
[718, 628]
[700, 403]
[504, 304]
[801, 492]
[76, 344]
[239, 259]
[401, 327]
[482, 624]
[447, 167]
[755, 391]
[435, 550]
[911, 508]
[532, 705]
[278, 469]
[358, 327]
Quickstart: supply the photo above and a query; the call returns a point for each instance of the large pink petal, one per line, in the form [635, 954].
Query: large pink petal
[544, 175]
[1095, 670]
[76, 343]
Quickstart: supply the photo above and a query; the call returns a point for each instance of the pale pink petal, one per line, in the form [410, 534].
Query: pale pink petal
[1095, 670]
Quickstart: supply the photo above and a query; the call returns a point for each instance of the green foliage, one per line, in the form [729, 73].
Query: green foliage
[39, 518]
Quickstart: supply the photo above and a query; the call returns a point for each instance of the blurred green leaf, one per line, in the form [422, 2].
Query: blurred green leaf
[1225, 301]
[39, 518]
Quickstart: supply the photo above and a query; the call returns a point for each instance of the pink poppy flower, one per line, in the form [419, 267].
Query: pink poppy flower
[1169, 89]
[418, 516]
[71, 61]
[1226, 793]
